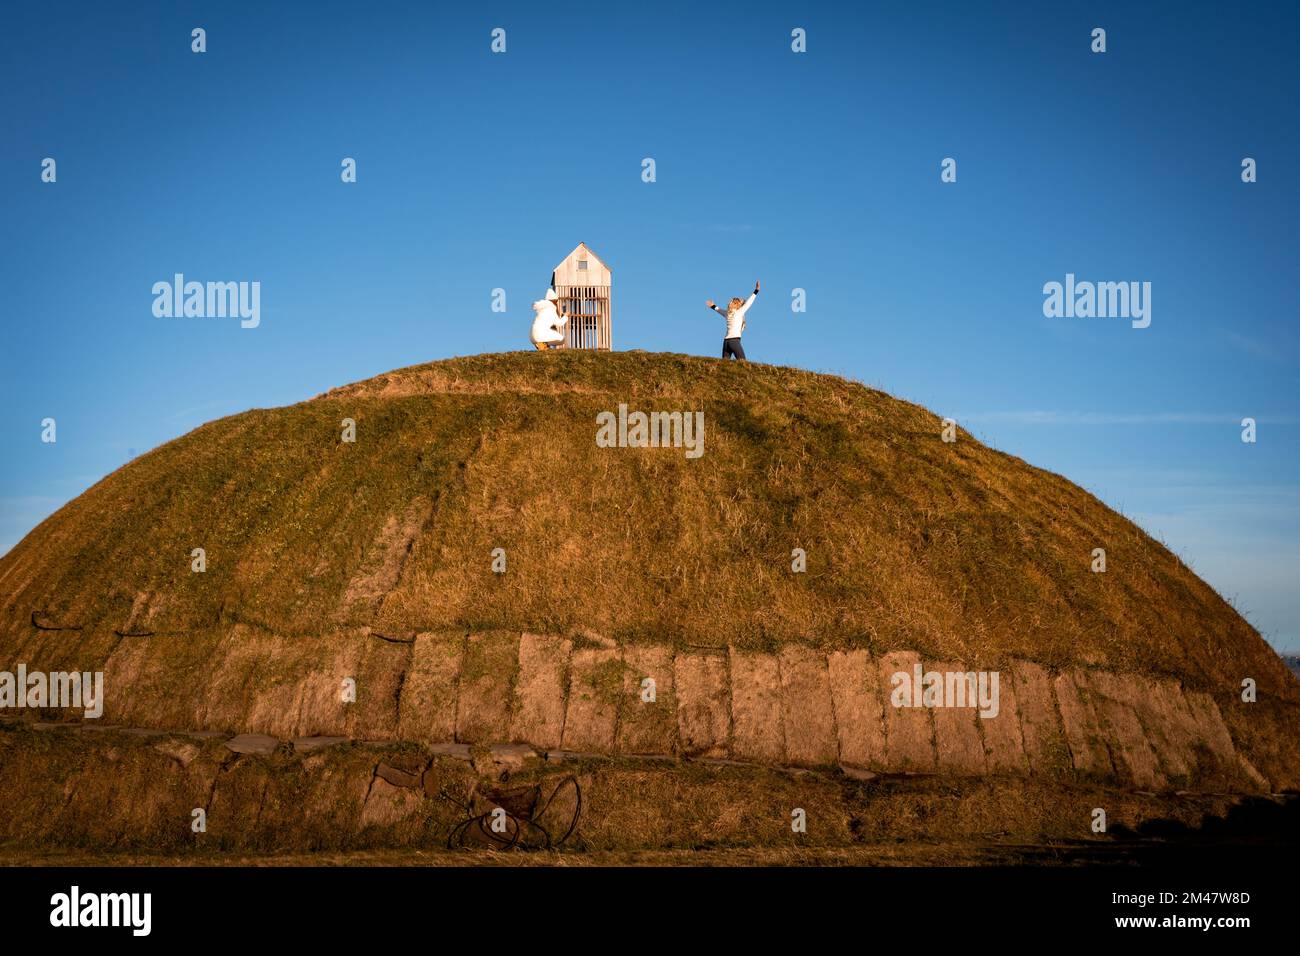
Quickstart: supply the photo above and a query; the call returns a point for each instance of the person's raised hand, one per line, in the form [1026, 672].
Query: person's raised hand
[709, 303]
[755, 285]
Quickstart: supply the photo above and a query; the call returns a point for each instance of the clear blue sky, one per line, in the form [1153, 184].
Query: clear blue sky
[816, 170]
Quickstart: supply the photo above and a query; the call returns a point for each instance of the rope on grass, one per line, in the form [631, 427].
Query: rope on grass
[41, 627]
[517, 824]
[393, 640]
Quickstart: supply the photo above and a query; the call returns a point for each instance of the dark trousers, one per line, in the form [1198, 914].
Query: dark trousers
[732, 347]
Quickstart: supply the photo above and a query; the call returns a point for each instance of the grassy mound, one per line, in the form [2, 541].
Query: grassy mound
[954, 549]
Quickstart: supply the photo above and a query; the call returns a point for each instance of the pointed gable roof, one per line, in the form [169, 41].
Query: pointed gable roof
[567, 272]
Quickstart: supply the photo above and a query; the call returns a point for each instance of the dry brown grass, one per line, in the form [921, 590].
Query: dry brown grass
[70, 792]
[958, 551]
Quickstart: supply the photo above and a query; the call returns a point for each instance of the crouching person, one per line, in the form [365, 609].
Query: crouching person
[550, 328]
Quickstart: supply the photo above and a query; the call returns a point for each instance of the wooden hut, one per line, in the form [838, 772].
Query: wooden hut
[581, 281]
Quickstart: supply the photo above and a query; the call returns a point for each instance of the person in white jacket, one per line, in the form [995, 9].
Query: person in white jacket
[735, 316]
[549, 326]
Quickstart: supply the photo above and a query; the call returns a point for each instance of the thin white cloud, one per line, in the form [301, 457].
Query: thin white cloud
[1280, 346]
[1045, 417]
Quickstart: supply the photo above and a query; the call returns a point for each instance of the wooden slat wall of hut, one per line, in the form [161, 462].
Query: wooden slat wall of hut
[588, 308]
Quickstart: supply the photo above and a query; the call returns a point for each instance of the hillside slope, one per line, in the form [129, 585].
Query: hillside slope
[952, 550]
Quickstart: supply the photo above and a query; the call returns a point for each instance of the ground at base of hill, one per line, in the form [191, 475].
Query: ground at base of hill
[1100, 853]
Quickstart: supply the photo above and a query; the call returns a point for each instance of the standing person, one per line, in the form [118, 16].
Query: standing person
[735, 316]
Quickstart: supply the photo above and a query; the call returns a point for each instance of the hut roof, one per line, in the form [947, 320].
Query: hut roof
[566, 273]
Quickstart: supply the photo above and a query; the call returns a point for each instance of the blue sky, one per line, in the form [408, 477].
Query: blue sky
[817, 170]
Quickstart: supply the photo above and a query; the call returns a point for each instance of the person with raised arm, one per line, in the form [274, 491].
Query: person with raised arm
[735, 316]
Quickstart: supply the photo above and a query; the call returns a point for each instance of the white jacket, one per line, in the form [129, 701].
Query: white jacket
[736, 317]
[549, 326]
